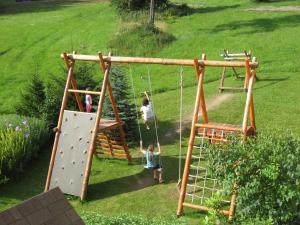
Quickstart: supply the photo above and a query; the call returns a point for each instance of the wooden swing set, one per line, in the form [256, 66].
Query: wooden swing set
[215, 132]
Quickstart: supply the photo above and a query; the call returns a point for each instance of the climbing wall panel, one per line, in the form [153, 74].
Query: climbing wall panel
[72, 151]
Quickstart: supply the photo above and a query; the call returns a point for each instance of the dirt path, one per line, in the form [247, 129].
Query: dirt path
[212, 104]
[275, 8]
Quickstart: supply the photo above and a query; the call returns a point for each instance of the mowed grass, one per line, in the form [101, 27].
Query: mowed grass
[32, 38]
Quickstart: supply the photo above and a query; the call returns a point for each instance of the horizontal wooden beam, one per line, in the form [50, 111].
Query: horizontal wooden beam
[162, 61]
[203, 208]
[84, 92]
[227, 127]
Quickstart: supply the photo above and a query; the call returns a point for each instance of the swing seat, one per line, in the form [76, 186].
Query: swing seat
[159, 168]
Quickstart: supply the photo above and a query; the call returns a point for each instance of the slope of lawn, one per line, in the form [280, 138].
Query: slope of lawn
[31, 39]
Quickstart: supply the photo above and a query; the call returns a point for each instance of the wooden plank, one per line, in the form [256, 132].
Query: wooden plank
[232, 88]
[85, 92]
[115, 154]
[59, 123]
[226, 127]
[143, 60]
[203, 208]
[100, 148]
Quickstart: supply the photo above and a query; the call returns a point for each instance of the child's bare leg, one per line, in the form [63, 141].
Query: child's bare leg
[155, 174]
[161, 180]
[147, 125]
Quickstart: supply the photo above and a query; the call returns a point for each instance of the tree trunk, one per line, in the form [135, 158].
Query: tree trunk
[151, 17]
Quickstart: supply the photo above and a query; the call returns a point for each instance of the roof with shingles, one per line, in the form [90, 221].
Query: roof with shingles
[48, 208]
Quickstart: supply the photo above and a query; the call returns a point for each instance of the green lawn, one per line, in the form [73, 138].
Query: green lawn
[31, 38]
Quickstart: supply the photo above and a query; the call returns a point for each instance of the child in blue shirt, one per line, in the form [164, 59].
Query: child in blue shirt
[152, 162]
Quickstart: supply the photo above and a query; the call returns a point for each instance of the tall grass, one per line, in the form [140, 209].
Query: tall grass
[20, 140]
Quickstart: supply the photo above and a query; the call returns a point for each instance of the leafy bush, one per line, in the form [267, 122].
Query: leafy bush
[133, 5]
[267, 172]
[20, 140]
[121, 93]
[97, 219]
[150, 40]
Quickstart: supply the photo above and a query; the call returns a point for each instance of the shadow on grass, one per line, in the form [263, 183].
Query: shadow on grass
[12, 7]
[259, 25]
[135, 182]
[269, 82]
[185, 9]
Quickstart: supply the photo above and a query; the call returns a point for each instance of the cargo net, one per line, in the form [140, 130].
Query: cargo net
[202, 184]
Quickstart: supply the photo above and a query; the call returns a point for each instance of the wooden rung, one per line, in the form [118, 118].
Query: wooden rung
[235, 54]
[234, 58]
[84, 92]
[114, 154]
[228, 127]
[100, 141]
[108, 149]
[108, 145]
[203, 208]
[232, 88]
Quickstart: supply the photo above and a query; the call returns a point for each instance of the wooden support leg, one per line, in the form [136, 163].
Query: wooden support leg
[94, 134]
[74, 83]
[116, 112]
[222, 80]
[190, 145]
[59, 123]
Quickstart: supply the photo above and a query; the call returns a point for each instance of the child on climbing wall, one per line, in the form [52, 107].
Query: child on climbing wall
[146, 109]
[152, 161]
[88, 102]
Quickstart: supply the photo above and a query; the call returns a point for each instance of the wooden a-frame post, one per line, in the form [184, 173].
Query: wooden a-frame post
[198, 102]
[114, 107]
[59, 123]
[94, 134]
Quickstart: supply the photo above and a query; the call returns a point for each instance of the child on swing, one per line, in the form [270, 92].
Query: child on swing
[146, 109]
[88, 101]
[151, 161]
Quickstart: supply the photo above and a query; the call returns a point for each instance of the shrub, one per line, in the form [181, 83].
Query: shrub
[121, 93]
[267, 173]
[150, 40]
[32, 98]
[20, 140]
[97, 219]
[133, 5]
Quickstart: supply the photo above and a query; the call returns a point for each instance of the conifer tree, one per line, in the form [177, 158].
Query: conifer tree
[32, 98]
[121, 93]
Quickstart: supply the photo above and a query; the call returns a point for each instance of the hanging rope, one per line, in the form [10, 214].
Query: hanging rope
[135, 103]
[180, 126]
[151, 93]
[155, 121]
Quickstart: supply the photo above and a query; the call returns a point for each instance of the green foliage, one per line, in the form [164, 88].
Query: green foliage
[21, 138]
[214, 216]
[121, 93]
[267, 173]
[124, 219]
[55, 90]
[141, 40]
[134, 5]
[32, 98]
